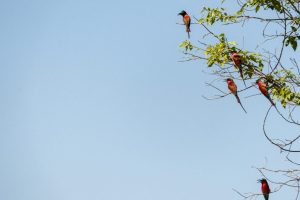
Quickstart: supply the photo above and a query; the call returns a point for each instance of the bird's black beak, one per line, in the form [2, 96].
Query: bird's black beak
[181, 13]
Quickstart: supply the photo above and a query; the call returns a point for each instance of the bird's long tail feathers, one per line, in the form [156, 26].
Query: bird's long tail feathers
[237, 97]
[188, 30]
[243, 107]
[266, 196]
[269, 98]
[239, 101]
[242, 76]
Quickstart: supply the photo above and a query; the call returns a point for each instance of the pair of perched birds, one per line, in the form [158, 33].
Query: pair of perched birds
[237, 61]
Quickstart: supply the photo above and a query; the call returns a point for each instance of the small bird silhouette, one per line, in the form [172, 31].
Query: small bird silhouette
[237, 62]
[264, 90]
[233, 89]
[265, 189]
[187, 21]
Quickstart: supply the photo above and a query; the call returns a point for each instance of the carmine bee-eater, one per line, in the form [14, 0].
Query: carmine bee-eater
[265, 188]
[187, 21]
[237, 62]
[233, 89]
[264, 90]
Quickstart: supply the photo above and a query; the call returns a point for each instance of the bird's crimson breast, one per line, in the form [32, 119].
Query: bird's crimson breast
[236, 59]
[263, 90]
[232, 87]
[265, 189]
[186, 18]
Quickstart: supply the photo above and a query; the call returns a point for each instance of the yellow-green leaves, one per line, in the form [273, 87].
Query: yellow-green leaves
[285, 95]
[216, 54]
[187, 45]
[213, 15]
[266, 4]
[279, 83]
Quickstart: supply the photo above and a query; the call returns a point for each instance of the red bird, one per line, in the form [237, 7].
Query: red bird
[237, 61]
[233, 89]
[264, 90]
[187, 21]
[265, 188]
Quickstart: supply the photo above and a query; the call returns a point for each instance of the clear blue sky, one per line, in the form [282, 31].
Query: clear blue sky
[95, 105]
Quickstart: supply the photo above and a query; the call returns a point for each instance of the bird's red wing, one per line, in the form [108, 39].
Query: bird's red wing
[263, 90]
[232, 87]
[236, 59]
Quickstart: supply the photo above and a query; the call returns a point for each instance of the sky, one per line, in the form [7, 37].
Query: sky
[95, 105]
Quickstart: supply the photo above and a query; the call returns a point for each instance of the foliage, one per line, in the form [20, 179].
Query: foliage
[280, 72]
[279, 79]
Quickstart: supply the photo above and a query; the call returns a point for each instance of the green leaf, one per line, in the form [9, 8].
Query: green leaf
[294, 29]
[257, 8]
[294, 44]
[201, 20]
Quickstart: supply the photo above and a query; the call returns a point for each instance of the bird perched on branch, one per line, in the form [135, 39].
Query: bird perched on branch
[265, 189]
[233, 89]
[264, 90]
[187, 21]
[237, 62]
